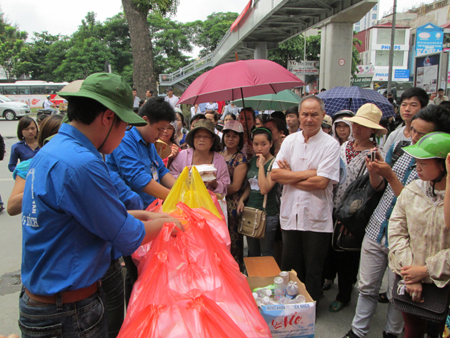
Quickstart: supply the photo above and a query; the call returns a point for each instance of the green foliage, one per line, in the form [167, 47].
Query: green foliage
[12, 41]
[40, 57]
[293, 49]
[209, 33]
[355, 57]
[169, 40]
[158, 6]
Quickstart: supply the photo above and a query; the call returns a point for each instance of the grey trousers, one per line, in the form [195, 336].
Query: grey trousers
[374, 261]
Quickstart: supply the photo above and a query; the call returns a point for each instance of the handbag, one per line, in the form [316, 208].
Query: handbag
[253, 222]
[341, 242]
[435, 301]
[354, 211]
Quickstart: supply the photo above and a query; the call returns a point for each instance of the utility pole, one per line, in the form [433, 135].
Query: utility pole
[304, 58]
[391, 50]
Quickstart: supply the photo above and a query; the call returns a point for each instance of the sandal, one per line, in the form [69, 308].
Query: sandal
[382, 298]
[336, 306]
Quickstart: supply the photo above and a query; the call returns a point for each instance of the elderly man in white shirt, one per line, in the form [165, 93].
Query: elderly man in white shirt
[308, 166]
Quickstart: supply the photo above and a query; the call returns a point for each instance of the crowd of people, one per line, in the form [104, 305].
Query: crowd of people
[83, 183]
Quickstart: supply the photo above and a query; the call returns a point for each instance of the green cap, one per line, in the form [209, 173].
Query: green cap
[113, 92]
[433, 145]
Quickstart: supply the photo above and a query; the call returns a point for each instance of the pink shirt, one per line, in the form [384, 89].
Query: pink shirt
[184, 159]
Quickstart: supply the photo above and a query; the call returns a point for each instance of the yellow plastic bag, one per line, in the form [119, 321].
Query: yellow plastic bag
[191, 191]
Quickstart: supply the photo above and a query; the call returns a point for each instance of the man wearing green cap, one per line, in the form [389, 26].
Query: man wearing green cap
[73, 218]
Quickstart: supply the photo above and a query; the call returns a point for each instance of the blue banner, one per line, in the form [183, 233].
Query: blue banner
[429, 39]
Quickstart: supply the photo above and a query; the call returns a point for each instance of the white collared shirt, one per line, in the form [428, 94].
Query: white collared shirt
[309, 210]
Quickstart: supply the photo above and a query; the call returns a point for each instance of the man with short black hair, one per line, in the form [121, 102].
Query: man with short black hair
[172, 99]
[72, 216]
[411, 101]
[292, 120]
[136, 159]
[148, 94]
[440, 97]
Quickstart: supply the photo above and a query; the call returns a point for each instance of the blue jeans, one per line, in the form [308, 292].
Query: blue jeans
[86, 318]
[113, 286]
[264, 246]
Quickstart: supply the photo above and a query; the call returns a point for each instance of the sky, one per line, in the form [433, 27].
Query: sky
[64, 17]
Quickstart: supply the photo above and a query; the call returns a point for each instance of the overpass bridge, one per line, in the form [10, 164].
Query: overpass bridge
[267, 23]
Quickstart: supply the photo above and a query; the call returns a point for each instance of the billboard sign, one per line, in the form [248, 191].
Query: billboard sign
[308, 67]
[429, 39]
[427, 72]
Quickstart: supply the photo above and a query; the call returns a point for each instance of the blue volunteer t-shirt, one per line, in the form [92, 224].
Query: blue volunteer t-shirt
[137, 163]
[72, 217]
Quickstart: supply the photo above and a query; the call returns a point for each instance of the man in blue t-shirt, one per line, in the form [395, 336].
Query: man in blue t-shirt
[72, 215]
[136, 159]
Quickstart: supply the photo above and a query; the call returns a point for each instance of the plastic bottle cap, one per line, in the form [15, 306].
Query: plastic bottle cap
[278, 280]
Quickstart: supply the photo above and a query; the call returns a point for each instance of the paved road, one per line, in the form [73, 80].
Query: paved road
[328, 324]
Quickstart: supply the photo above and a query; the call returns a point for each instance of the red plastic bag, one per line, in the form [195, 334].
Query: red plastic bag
[190, 286]
[220, 228]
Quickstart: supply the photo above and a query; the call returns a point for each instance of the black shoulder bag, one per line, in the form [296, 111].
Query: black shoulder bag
[357, 206]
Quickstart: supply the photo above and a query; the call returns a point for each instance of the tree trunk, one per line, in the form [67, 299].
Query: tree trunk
[141, 46]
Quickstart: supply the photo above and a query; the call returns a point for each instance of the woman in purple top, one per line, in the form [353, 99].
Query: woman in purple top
[27, 147]
[202, 142]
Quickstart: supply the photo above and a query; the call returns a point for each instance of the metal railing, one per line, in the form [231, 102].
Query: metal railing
[186, 71]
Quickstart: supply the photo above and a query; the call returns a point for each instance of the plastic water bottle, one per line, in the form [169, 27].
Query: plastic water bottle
[285, 276]
[280, 288]
[298, 300]
[263, 292]
[261, 300]
[292, 289]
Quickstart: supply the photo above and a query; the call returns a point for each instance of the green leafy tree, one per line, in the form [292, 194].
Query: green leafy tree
[12, 41]
[207, 34]
[355, 56]
[170, 39]
[87, 53]
[116, 35]
[293, 49]
[136, 12]
[40, 57]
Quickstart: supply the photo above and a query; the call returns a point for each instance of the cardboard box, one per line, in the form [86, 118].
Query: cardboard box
[289, 320]
[264, 266]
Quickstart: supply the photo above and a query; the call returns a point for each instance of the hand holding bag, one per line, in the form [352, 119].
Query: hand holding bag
[435, 301]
